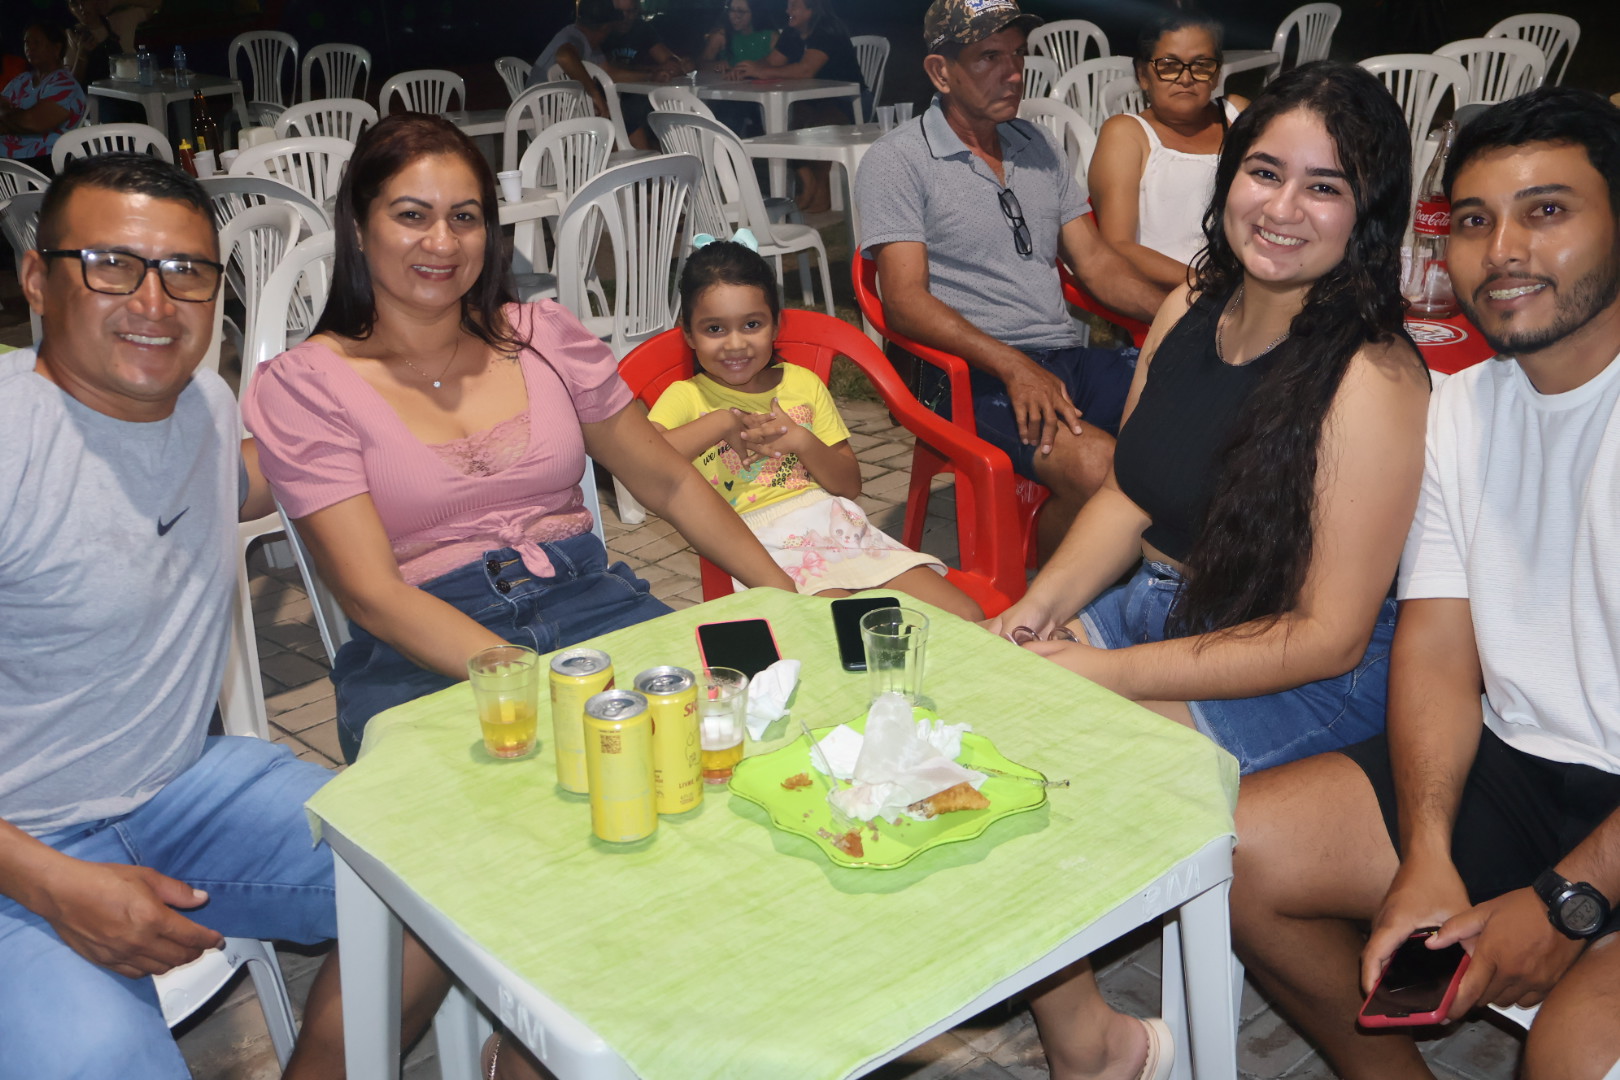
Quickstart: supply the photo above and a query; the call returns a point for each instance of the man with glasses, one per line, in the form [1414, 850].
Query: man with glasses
[966, 212]
[129, 840]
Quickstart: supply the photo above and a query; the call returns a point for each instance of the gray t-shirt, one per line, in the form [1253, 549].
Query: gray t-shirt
[117, 543]
[568, 35]
[920, 182]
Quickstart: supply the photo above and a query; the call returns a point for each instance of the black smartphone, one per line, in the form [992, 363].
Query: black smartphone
[1417, 986]
[746, 645]
[846, 614]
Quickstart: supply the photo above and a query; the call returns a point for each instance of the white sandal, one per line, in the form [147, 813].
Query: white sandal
[1161, 1053]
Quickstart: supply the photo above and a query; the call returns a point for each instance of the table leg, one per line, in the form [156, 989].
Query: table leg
[1206, 957]
[776, 120]
[157, 113]
[372, 952]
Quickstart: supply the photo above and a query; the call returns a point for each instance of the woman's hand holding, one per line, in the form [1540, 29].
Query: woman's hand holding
[1028, 613]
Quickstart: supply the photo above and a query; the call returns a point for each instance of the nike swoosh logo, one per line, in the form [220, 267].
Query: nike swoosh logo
[163, 529]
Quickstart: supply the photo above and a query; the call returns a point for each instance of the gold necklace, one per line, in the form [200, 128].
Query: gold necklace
[1226, 316]
[440, 380]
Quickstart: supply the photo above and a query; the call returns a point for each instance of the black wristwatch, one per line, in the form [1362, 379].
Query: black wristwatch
[1575, 909]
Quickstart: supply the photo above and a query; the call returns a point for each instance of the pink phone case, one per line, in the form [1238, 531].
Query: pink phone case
[769, 632]
[1437, 1016]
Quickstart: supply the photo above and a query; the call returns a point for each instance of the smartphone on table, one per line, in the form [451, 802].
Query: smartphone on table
[1418, 984]
[746, 645]
[846, 614]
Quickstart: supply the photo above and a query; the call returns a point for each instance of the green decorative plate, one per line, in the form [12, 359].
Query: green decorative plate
[804, 811]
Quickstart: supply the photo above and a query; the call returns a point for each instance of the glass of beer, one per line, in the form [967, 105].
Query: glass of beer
[722, 705]
[506, 685]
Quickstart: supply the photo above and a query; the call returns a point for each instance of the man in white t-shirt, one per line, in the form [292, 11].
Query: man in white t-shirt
[1489, 810]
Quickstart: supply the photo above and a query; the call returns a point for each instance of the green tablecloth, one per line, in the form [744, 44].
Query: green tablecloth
[722, 947]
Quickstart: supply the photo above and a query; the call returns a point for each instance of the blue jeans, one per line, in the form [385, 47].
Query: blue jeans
[233, 825]
[1272, 729]
[584, 599]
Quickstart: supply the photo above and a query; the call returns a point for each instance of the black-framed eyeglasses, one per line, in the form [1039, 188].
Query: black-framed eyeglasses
[1169, 69]
[120, 273]
[1015, 217]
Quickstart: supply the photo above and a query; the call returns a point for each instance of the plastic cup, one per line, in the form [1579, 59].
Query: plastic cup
[902, 112]
[511, 184]
[226, 157]
[506, 685]
[896, 641]
[885, 118]
[203, 162]
[722, 707]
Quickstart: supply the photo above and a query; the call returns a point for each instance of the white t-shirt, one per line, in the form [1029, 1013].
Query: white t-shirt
[1520, 515]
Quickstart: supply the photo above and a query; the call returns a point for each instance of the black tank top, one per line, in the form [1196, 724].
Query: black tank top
[1168, 459]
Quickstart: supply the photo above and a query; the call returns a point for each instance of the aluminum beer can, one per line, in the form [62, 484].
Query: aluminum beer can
[576, 675]
[671, 694]
[619, 760]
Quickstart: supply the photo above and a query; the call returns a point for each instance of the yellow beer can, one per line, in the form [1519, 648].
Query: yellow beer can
[576, 676]
[619, 761]
[671, 694]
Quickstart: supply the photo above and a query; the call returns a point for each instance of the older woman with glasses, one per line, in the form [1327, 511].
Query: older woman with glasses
[1152, 172]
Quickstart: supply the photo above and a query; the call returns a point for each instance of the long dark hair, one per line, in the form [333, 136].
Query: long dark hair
[380, 154]
[725, 262]
[824, 16]
[1249, 561]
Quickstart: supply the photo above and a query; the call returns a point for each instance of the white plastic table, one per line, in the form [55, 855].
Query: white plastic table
[842, 144]
[478, 122]
[164, 91]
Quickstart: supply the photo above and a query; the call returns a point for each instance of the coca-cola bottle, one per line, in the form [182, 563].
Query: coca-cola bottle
[1427, 287]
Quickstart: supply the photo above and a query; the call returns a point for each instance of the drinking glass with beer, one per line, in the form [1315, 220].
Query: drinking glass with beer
[506, 685]
[722, 706]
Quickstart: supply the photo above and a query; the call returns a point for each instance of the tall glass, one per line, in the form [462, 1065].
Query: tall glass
[506, 685]
[722, 706]
[896, 641]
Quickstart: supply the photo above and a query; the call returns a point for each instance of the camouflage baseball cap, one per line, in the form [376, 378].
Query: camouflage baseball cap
[966, 22]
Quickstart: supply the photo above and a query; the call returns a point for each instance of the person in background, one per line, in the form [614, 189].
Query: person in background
[739, 37]
[611, 35]
[43, 102]
[105, 28]
[1151, 174]
[815, 45]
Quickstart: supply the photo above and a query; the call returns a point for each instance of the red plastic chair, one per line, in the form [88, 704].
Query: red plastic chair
[992, 568]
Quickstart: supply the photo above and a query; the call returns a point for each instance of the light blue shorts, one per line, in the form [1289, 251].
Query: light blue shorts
[1273, 729]
[233, 825]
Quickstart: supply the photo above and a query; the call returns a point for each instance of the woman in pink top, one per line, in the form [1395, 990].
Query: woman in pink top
[430, 439]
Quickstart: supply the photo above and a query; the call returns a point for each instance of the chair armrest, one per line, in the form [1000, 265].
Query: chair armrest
[863, 271]
[1076, 294]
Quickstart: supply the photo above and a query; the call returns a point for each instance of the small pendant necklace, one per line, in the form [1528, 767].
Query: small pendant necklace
[440, 380]
[1226, 316]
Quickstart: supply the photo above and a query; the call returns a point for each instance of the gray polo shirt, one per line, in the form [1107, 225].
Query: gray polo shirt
[921, 182]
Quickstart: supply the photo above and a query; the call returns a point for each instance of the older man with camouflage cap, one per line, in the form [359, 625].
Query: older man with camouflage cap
[966, 211]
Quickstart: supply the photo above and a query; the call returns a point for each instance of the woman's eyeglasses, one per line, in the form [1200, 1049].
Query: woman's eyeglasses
[1169, 69]
[1015, 217]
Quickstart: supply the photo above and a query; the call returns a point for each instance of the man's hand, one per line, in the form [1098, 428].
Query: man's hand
[123, 917]
[1517, 956]
[1040, 404]
[1425, 892]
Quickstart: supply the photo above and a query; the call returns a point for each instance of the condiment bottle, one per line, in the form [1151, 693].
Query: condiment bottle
[203, 126]
[1427, 287]
[186, 158]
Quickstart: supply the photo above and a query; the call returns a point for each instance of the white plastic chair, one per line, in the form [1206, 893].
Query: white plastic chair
[610, 93]
[536, 109]
[679, 99]
[565, 156]
[342, 67]
[1080, 88]
[92, 139]
[1552, 34]
[1123, 96]
[514, 72]
[331, 117]
[1498, 68]
[252, 244]
[872, 53]
[232, 194]
[1312, 25]
[426, 90]
[267, 53]
[1419, 81]
[1040, 75]
[16, 177]
[1066, 41]
[19, 222]
[312, 164]
[1072, 133]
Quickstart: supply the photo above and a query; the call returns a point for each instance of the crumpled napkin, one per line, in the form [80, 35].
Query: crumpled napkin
[900, 760]
[768, 695]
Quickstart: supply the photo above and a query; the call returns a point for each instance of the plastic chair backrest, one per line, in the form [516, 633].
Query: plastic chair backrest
[16, 177]
[1314, 24]
[640, 207]
[312, 164]
[1419, 81]
[536, 109]
[1072, 133]
[1066, 41]
[230, 194]
[570, 152]
[298, 288]
[1040, 75]
[267, 52]
[610, 93]
[514, 72]
[1552, 34]
[717, 200]
[88, 140]
[331, 117]
[342, 66]
[19, 221]
[1123, 96]
[678, 99]
[1498, 68]
[252, 245]
[1080, 88]
[872, 54]
[425, 90]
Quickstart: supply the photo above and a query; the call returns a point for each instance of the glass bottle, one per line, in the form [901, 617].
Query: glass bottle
[1427, 287]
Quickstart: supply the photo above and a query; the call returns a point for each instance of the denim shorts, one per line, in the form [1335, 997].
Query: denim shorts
[233, 825]
[584, 599]
[1272, 729]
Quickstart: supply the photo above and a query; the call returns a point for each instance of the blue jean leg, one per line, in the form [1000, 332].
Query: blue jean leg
[233, 824]
[1098, 381]
[585, 598]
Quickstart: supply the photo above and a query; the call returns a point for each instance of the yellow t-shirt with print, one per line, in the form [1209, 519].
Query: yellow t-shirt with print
[804, 398]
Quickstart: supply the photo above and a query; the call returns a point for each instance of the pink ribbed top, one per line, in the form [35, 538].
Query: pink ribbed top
[325, 435]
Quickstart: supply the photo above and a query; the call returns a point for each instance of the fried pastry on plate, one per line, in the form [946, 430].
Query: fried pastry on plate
[961, 797]
[798, 780]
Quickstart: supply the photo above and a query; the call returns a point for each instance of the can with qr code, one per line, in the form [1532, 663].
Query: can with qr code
[671, 694]
[576, 674]
[619, 766]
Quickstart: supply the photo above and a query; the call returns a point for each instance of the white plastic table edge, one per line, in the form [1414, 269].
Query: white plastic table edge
[157, 98]
[372, 901]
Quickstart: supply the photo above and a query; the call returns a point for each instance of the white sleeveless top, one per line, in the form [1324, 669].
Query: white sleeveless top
[1175, 192]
